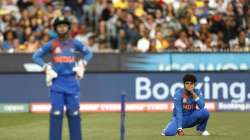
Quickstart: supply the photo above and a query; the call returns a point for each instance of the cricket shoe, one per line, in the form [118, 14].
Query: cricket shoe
[163, 133]
[203, 133]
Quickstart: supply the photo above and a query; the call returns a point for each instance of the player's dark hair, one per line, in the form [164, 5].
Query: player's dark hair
[189, 78]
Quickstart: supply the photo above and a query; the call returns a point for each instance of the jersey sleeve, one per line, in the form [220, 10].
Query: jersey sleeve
[178, 107]
[40, 53]
[200, 100]
[87, 54]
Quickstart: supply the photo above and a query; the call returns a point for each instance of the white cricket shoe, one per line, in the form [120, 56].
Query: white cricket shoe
[204, 133]
[162, 133]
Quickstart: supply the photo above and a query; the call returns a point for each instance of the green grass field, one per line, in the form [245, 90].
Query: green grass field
[139, 126]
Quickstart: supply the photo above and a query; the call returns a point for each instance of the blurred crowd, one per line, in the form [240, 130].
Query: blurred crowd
[129, 25]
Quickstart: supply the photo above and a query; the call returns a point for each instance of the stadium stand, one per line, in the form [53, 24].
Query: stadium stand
[129, 25]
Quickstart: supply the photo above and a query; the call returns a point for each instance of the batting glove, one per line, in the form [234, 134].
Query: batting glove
[180, 132]
[50, 74]
[79, 69]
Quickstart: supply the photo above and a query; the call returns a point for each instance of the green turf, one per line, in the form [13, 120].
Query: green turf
[140, 126]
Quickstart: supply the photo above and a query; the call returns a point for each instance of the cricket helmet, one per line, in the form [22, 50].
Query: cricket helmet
[61, 20]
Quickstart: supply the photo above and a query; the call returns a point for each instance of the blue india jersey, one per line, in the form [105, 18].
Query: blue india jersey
[63, 58]
[185, 104]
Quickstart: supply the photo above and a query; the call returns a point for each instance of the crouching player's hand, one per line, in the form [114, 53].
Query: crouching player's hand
[79, 69]
[180, 132]
[50, 74]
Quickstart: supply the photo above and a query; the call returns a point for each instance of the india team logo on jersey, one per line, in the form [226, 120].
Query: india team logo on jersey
[58, 50]
[72, 50]
[184, 100]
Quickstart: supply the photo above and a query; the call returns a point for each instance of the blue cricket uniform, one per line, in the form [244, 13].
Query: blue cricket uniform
[63, 60]
[187, 113]
[65, 89]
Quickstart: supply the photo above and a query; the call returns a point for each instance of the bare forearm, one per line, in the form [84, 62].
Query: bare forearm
[194, 95]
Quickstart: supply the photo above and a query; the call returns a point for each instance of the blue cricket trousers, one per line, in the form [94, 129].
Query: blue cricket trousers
[58, 100]
[198, 117]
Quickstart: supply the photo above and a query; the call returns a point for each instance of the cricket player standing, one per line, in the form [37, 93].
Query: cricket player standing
[188, 110]
[63, 76]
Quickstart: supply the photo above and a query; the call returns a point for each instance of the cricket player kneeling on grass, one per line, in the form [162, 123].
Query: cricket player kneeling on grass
[185, 112]
[62, 77]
